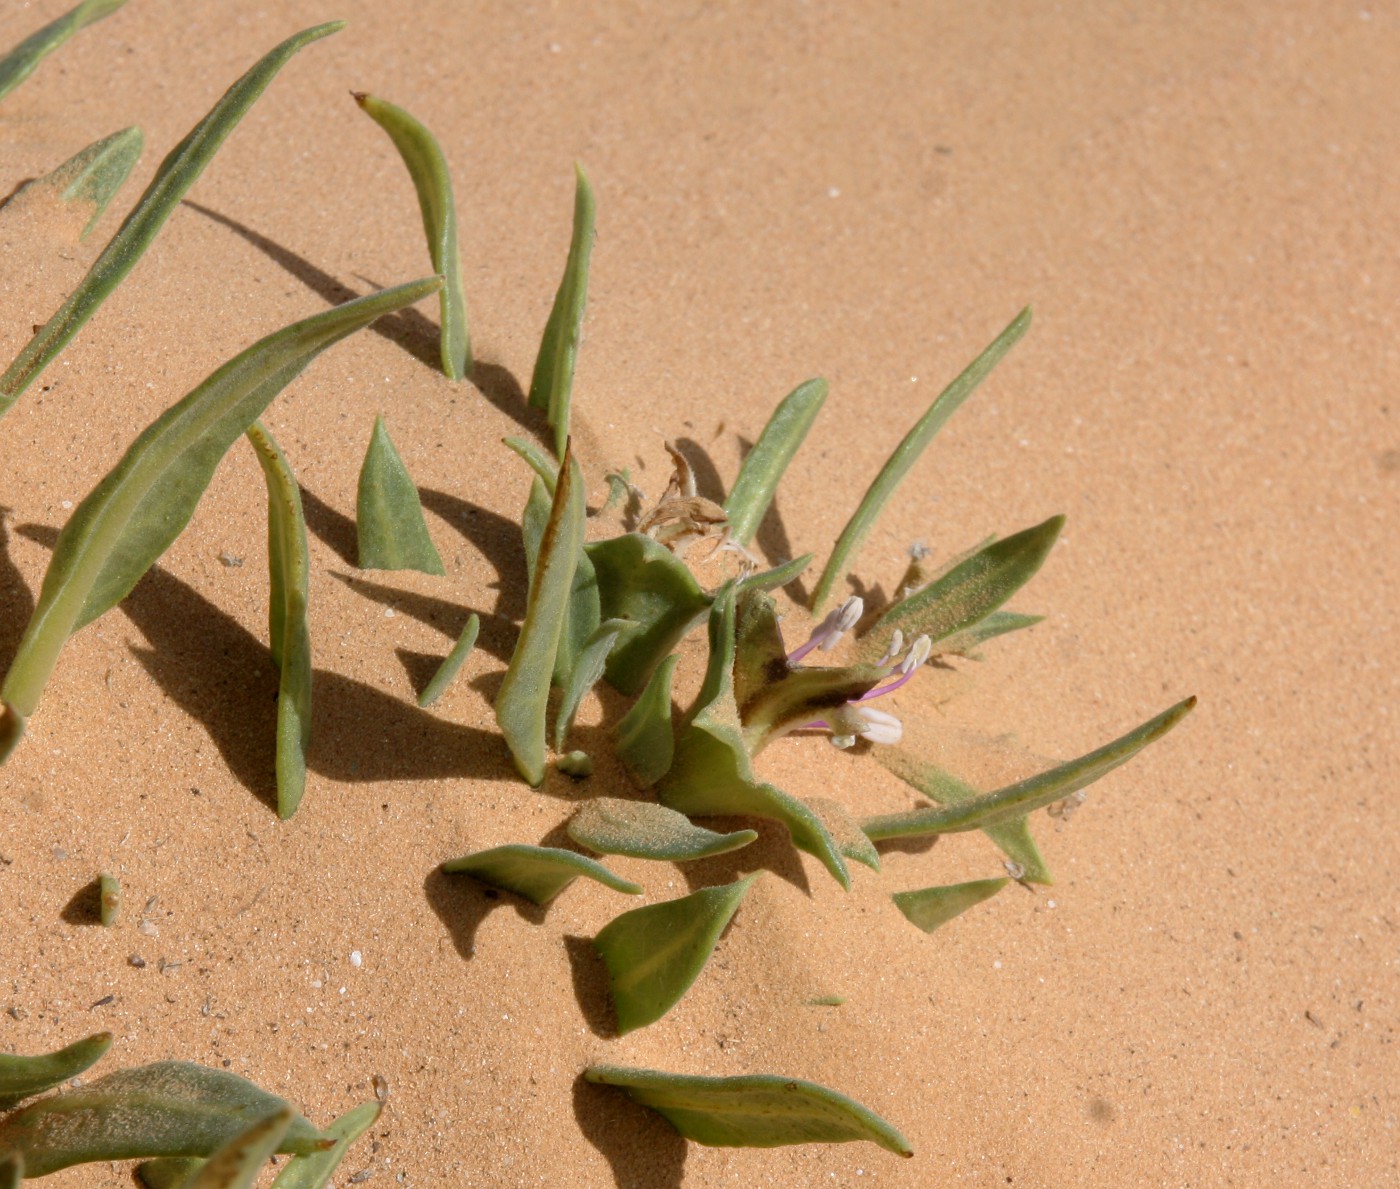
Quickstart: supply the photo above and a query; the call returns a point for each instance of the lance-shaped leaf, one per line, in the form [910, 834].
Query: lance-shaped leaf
[778, 576]
[171, 1108]
[388, 513]
[907, 452]
[427, 167]
[1025, 796]
[539, 873]
[711, 773]
[289, 631]
[522, 703]
[552, 383]
[168, 1172]
[23, 1077]
[850, 839]
[452, 662]
[654, 954]
[11, 1171]
[21, 62]
[88, 181]
[930, 907]
[140, 507]
[109, 900]
[177, 173]
[314, 1171]
[998, 623]
[645, 830]
[970, 591]
[764, 465]
[586, 671]
[237, 1163]
[644, 583]
[644, 740]
[751, 1111]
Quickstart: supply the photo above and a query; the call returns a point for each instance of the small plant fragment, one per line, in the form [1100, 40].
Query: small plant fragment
[89, 180]
[1023, 797]
[578, 764]
[388, 513]
[751, 1111]
[643, 739]
[289, 566]
[129, 519]
[24, 1077]
[586, 671]
[237, 1163]
[171, 1108]
[20, 62]
[646, 830]
[522, 703]
[654, 954]
[928, 908]
[764, 465]
[177, 173]
[314, 1171]
[452, 662]
[539, 873]
[552, 383]
[907, 453]
[109, 899]
[427, 167]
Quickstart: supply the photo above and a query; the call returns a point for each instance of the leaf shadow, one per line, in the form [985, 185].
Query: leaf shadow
[16, 599]
[497, 635]
[496, 537]
[772, 538]
[771, 851]
[590, 978]
[461, 903]
[84, 907]
[332, 528]
[643, 1149]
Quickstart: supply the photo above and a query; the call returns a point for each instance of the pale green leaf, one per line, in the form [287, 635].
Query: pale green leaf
[23, 1077]
[388, 513]
[539, 873]
[314, 1171]
[644, 739]
[764, 465]
[646, 830]
[109, 899]
[20, 62]
[452, 662]
[930, 907]
[586, 671]
[850, 839]
[778, 576]
[237, 1163]
[89, 180]
[999, 623]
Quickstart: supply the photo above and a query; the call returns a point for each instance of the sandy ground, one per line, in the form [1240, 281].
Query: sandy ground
[1198, 201]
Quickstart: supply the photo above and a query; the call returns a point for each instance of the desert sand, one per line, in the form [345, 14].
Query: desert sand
[1198, 202]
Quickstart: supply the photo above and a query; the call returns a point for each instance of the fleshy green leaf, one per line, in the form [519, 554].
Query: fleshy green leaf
[314, 1171]
[930, 907]
[552, 383]
[140, 507]
[522, 703]
[88, 181]
[171, 1108]
[11, 1171]
[20, 62]
[654, 954]
[109, 899]
[644, 740]
[427, 167]
[907, 452]
[169, 1172]
[388, 513]
[237, 1163]
[998, 623]
[1021, 798]
[752, 1111]
[586, 672]
[23, 1077]
[452, 663]
[778, 576]
[539, 873]
[764, 465]
[177, 173]
[851, 841]
[645, 830]
[644, 583]
[289, 566]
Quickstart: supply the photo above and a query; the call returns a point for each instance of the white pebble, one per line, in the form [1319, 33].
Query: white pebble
[355, 959]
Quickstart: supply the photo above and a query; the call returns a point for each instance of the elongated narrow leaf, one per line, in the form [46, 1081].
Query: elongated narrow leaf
[540, 462]
[645, 830]
[552, 384]
[930, 907]
[177, 173]
[237, 1163]
[171, 1108]
[168, 1172]
[999, 623]
[654, 954]
[753, 1111]
[452, 662]
[109, 899]
[23, 1077]
[763, 468]
[1025, 796]
[970, 591]
[539, 873]
[778, 576]
[88, 181]
[427, 167]
[289, 565]
[522, 703]
[586, 672]
[140, 507]
[11, 1170]
[644, 739]
[907, 453]
[314, 1171]
[388, 513]
[20, 62]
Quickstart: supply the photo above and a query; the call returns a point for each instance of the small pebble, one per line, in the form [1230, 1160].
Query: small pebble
[137, 961]
[355, 959]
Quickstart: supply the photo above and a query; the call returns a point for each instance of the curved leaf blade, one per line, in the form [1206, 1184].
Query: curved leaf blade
[907, 453]
[644, 740]
[654, 954]
[314, 1171]
[389, 522]
[539, 873]
[928, 908]
[427, 167]
[23, 1077]
[452, 663]
[89, 180]
[24, 59]
[764, 465]
[177, 173]
[646, 830]
[751, 1111]
[585, 673]
[238, 1162]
